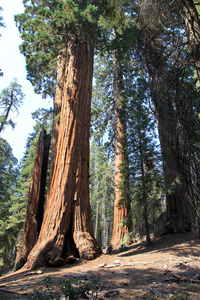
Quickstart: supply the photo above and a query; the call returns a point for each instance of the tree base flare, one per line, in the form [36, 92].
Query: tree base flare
[86, 245]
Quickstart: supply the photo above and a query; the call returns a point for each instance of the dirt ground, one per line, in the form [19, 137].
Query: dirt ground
[169, 269]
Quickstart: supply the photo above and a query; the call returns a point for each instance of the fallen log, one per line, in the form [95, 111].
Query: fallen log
[108, 293]
[13, 292]
[183, 278]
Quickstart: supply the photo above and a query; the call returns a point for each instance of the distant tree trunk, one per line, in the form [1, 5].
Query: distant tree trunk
[97, 220]
[122, 223]
[144, 192]
[4, 120]
[178, 216]
[35, 206]
[67, 225]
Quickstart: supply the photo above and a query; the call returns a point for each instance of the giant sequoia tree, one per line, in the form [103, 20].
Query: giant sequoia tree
[59, 35]
[190, 12]
[170, 69]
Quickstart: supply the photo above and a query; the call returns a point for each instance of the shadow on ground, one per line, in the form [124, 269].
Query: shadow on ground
[137, 281]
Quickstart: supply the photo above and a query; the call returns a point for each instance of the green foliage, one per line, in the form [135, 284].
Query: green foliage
[78, 289]
[46, 27]
[171, 59]
[180, 296]
[47, 281]
[1, 19]
[8, 176]
[11, 99]
[145, 161]
[14, 186]
[141, 134]
[102, 118]
[72, 288]
[101, 192]
[120, 30]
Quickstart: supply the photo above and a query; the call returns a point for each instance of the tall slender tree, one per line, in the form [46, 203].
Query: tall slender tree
[145, 161]
[122, 224]
[122, 35]
[11, 99]
[101, 191]
[8, 177]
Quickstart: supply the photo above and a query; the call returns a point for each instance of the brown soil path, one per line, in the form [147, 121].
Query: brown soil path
[137, 272]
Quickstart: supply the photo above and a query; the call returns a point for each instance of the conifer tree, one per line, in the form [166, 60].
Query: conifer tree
[101, 191]
[118, 21]
[43, 119]
[59, 35]
[145, 160]
[11, 99]
[169, 66]
[8, 177]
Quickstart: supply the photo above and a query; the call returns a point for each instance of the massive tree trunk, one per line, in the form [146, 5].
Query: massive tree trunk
[35, 206]
[192, 28]
[122, 223]
[176, 198]
[178, 218]
[67, 225]
[57, 108]
[190, 14]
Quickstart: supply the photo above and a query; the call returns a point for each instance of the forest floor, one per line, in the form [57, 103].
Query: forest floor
[169, 269]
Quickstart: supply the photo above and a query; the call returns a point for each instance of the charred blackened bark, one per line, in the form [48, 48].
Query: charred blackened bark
[36, 198]
[67, 218]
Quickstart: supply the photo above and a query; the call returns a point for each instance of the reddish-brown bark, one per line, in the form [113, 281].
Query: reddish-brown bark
[35, 206]
[122, 210]
[67, 225]
[57, 108]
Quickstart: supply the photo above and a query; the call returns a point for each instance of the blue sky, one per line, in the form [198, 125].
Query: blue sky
[12, 63]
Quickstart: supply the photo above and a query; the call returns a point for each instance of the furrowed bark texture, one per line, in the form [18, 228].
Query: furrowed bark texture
[122, 222]
[67, 224]
[178, 217]
[192, 28]
[191, 19]
[35, 206]
[57, 108]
